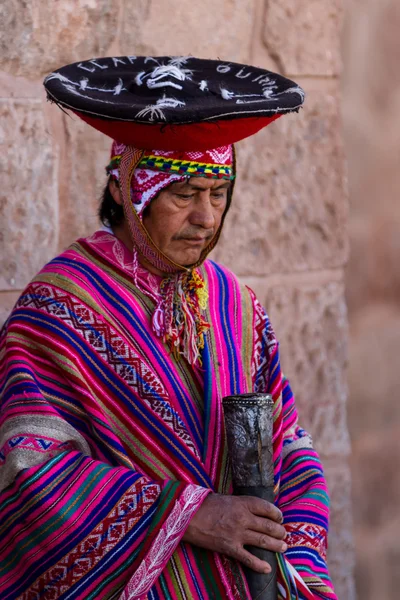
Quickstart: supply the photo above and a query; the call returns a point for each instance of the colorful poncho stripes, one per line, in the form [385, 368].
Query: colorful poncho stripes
[109, 444]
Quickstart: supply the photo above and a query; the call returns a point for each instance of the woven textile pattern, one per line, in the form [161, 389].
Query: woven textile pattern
[109, 445]
[217, 163]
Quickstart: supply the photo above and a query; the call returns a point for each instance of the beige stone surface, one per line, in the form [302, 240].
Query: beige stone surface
[303, 37]
[7, 301]
[84, 154]
[376, 513]
[371, 112]
[374, 368]
[340, 550]
[290, 202]
[374, 415]
[372, 127]
[41, 35]
[20, 87]
[206, 29]
[373, 271]
[28, 197]
[310, 321]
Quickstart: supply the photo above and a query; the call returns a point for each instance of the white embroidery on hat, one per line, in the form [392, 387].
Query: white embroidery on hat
[296, 90]
[149, 58]
[91, 70]
[58, 76]
[178, 61]
[162, 74]
[241, 75]
[268, 87]
[117, 61]
[95, 65]
[259, 98]
[227, 95]
[263, 79]
[119, 87]
[269, 93]
[165, 102]
[155, 110]
[225, 68]
[139, 77]
[76, 92]
[82, 84]
[203, 86]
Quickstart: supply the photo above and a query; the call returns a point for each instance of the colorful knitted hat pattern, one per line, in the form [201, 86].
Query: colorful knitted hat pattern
[158, 169]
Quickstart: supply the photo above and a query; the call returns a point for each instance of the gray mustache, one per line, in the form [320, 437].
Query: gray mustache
[194, 233]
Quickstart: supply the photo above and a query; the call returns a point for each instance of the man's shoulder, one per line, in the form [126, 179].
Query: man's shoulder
[217, 269]
[66, 261]
[218, 274]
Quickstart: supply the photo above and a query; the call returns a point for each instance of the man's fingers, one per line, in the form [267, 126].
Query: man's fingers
[266, 542]
[268, 527]
[252, 562]
[263, 508]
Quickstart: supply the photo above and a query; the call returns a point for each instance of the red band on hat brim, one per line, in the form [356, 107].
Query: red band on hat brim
[192, 136]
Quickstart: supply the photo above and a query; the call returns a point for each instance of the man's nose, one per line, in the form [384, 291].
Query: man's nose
[203, 213]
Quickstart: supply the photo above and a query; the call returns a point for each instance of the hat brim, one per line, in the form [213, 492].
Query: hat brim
[173, 103]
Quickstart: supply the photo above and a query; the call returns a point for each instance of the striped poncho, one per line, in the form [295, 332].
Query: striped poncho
[109, 444]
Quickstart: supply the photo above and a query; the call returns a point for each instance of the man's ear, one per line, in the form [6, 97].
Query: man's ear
[115, 191]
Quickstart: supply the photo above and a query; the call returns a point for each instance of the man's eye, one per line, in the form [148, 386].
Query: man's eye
[185, 196]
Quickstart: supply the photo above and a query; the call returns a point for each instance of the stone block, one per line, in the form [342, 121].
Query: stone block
[341, 546]
[385, 544]
[373, 288]
[289, 207]
[28, 202]
[373, 272]
[206, 29]
[84, 154]
[374, 365]
[302, 37]
[42, 35]
[374, 421]
[19, 87]
[7, 301]
[310, 321]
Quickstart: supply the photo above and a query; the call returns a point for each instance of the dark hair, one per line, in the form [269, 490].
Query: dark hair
[110, 213]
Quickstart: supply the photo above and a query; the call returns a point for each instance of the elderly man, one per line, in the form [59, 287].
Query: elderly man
[115, 481]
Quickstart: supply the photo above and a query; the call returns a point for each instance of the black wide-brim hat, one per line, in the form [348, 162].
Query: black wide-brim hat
[173, 103]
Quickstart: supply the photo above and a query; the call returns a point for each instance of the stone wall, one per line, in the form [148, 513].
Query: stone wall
[286, 233]
[372, 129]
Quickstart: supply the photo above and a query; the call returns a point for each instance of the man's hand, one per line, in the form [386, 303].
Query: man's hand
[225, 524]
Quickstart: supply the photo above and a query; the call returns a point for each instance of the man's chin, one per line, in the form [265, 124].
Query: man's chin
[188, 260]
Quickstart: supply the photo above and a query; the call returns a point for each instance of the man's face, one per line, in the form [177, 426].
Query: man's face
[184, 217]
